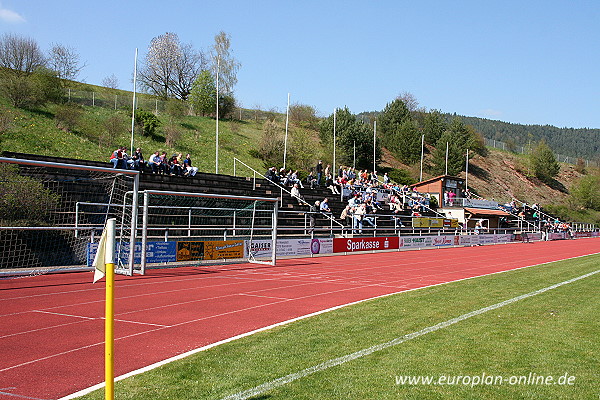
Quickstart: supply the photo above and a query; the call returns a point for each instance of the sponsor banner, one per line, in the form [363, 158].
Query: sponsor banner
[415, 241]
[442, 240]
[535, 236]
[468, 240]
[487, 239]
[223, 249]
[584, 234]
[190, 251]
[476, 203]
[156, 252]
[303, 247]
[426, 222]
[556, 236]
[258, 248]
[341, 245]
[595, 234]
[503, 238]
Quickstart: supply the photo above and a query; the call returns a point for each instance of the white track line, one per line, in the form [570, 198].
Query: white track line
[265, 387]
[265, 328]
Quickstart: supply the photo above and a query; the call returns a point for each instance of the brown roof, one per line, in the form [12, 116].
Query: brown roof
[485, 211]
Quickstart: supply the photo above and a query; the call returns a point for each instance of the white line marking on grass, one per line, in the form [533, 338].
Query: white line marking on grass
[265, 387]
[289, 321]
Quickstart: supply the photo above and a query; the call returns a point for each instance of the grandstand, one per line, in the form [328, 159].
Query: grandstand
[86, 209]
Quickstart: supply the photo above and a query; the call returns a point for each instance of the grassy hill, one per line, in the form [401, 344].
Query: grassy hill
[500, 175]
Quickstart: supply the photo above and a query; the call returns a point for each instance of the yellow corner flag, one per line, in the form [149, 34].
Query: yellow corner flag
[99, 263]
[104, 266]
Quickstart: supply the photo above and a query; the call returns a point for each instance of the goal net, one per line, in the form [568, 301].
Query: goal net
[52, 213]
[180, 228]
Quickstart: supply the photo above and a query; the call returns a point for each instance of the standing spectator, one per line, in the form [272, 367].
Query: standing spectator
[386, 179]
[327, 170]
[319, 169]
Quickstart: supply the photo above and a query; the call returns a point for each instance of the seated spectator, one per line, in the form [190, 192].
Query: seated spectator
[295, 193]
[187, 166]
[154, 162]
[311, 179]
[272, 175]
[175, 168]
[332, 185]
[138, 160]
[325, 205]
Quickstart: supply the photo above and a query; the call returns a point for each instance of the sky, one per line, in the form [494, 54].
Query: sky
[527, 62]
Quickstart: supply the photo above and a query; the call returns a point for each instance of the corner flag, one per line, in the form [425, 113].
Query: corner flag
[99, 263]
[104, 266]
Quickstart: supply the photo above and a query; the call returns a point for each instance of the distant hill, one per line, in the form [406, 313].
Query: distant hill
[583, 142]
[577, 143]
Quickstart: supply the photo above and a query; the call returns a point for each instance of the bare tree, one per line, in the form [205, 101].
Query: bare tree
[64, 61]
[170, 68]
[20, 54]
[409, 100]
[223, 63]
[111, 82]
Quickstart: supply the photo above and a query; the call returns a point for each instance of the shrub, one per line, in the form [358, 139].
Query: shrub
[67, 116]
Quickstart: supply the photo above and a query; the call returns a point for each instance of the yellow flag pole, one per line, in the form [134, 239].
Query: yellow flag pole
[109, 392]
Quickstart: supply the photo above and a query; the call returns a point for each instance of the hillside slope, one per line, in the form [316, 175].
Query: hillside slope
[500, 176]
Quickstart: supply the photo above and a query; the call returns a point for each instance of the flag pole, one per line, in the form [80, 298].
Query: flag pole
[109, 392]
[374, 143]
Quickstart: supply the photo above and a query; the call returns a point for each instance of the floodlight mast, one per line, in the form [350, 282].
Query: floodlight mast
[134, 90]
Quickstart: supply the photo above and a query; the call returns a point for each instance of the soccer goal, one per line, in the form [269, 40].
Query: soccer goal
[52, 213]
[181, 228]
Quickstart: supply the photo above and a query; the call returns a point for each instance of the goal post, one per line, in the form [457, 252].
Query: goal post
[185, 228]
[51, 213]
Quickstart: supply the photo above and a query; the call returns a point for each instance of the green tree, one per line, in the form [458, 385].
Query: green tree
[460, 138]
[399, 132]
[350, 131]
[434, 126]
[543, 162]
[204, 94]
[586, 192]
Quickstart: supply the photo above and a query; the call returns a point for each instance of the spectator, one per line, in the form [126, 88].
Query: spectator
[331, 185]
[311, 180]
[325, 205]
[138, 160]
[187, 165]
[272, 175]
[295, 193]
[154, 162]
[319, 170]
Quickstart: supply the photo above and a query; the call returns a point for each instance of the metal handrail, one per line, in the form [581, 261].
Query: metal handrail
[304, 202]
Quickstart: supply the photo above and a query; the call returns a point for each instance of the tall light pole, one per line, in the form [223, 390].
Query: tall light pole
[134, 90]
[422, 154]
[334, 116]
[446, 158]
[217, 125]
[467, 171]
[287, 119]
[374, 148]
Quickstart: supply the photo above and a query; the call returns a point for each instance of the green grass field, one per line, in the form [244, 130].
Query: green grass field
[550, 334]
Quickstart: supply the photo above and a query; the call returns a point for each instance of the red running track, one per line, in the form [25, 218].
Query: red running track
[52, 330]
